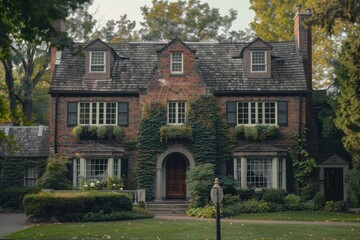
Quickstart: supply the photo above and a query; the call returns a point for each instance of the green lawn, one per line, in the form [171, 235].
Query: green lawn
[319, 216]
[184, 229]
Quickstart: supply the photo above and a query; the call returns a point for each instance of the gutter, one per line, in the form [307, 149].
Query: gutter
[300, 114]
[93, 93]
[56, 123]
[258, 93]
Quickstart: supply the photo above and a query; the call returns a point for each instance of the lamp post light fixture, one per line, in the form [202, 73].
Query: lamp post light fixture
[217, 196]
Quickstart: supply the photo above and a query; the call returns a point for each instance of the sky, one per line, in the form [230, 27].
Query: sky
[112, 9]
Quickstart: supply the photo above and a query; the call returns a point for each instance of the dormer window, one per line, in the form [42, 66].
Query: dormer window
[97, 62]
[258, 61]
[177, 63]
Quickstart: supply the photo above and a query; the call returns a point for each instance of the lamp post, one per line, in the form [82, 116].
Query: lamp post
[217, 196]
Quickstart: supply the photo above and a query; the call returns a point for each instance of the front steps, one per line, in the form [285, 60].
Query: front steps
[169, 207]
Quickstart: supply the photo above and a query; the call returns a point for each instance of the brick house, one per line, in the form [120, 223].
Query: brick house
[256, 83]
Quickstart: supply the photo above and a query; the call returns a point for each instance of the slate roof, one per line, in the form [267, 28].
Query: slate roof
[31, 141]
[219, 64]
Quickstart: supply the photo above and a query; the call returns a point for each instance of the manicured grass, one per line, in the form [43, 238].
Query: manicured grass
[184, 229]
[319, 216]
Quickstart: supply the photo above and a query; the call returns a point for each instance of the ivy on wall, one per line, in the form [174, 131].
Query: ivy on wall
[154, 116]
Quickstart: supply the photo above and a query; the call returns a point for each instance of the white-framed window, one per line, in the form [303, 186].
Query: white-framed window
[96, 168]
[117, 167]
[176, 112]
[258, 61]
[97, 62]
[98, 113]
[177, 63]
[31, 176]
[255, 173]
[254, 113]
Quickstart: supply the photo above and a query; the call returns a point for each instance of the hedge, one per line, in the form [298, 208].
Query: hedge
[73, 206]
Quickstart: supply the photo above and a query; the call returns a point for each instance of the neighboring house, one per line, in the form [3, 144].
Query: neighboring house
[23, 165]
[256, 83]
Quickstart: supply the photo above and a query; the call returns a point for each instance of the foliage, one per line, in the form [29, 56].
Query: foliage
[118, 133]
[11, 199]
[136, 213]
[208, 211]
[319, 201]
[335, 206]
[248, 206]
[114, 183]
[101, 132]
[230, 199]
[55, 175]
[149, 144]
[258, 133]
[200, 180]
[293, 202]
[353, 186]
[98, 133]
[303, 165]
[228, 184]
[175, 132]
[93, 184]
[274, 195]
[73, 206]
[246, 193]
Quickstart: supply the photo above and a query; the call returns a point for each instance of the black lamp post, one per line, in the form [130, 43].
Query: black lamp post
[217, 196]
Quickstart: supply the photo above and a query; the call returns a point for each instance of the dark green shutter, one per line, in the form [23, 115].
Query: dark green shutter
[72, 114]
[282, 113]
[123, 117]
[231, 113]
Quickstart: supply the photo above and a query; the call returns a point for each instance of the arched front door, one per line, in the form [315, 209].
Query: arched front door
[176, 166]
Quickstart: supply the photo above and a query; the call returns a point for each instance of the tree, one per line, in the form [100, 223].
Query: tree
[189, 21]
[274, 22]
[32, 21]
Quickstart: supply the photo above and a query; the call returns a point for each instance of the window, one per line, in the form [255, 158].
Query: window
[251, 113]
[72, 114]
[258, 61]
[177, 63]
[117, 167]
[97, 62]
[176, 112]
[96, 169]
[31, 177]
[260, 172]
[123, 114]
[98, 113]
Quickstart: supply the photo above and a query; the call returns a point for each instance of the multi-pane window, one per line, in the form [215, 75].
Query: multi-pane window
[96, 169]
[258, 61]
[251, 113]
[176, 112]
[281, 173]
[98, 113]
[238, 173]
[97, 61]
[177, 62]
[259, 173]
[117, 167]
[31, 177]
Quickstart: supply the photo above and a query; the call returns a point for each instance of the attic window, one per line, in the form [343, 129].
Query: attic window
[258, 61]
[97, 62]
[177, 63]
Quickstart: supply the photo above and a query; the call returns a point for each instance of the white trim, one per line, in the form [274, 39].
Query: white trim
[258, 64]
[91, 64]
[182, 63]
[257, 103]
[176, 113]
[91, 104]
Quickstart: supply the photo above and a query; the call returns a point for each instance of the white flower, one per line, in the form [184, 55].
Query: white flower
[114, 184]
[85, 186]
[121, 188]
[92, 184]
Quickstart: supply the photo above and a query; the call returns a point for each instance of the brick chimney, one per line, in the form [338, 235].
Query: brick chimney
[55, 54]
[302, 34]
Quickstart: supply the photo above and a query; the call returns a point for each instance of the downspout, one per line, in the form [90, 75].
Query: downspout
[300, 113]
[56, 123]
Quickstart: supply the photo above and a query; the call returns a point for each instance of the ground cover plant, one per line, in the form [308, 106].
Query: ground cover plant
[184, 229]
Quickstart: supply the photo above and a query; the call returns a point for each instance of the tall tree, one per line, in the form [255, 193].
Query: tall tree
[274, 22]
[189, 20]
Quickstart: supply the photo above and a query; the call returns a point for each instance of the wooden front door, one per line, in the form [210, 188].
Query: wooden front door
[334, 186]
[175, 177]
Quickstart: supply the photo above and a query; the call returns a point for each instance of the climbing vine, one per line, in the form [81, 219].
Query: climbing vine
[303, 165]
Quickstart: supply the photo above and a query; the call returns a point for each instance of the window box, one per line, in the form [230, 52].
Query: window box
[175, 132]
[258, 133]
[111, 133]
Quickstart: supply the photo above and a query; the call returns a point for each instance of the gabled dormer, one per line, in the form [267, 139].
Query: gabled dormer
[176, 58]
[99, 60]
[257, 59]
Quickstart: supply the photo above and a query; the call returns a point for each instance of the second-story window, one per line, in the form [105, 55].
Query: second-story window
[98, 113]
[97, 62]
[176, 112]
[177, 63]
[251, 113]
[258, 61]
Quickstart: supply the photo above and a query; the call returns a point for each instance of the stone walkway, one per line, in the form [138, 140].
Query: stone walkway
[11, 222]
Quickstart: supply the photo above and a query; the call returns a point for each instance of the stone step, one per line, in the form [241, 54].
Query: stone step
[168, 207]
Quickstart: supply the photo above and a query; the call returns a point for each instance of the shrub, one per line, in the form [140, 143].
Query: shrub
[274, 195]
[248, 206]
[353, 186]
[94, 184]
[55, 175]
[207, 211]
[77, 131]
[333, 206]
[175, 132]
[228, 184]
[200, 180]
[118, 133]
[258, 133]
[246, 193]
[72, 206]
[251, 133]
[240, 132]
[136, 213]
[11, 199]
[93, 131]
[114, 183]
[230, 199]
[101, 132]
[319, 201]
[293, 203]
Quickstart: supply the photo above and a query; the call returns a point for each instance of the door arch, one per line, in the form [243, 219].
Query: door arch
[176, 166]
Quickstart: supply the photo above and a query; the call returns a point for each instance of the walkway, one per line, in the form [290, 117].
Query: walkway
[11, 222]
